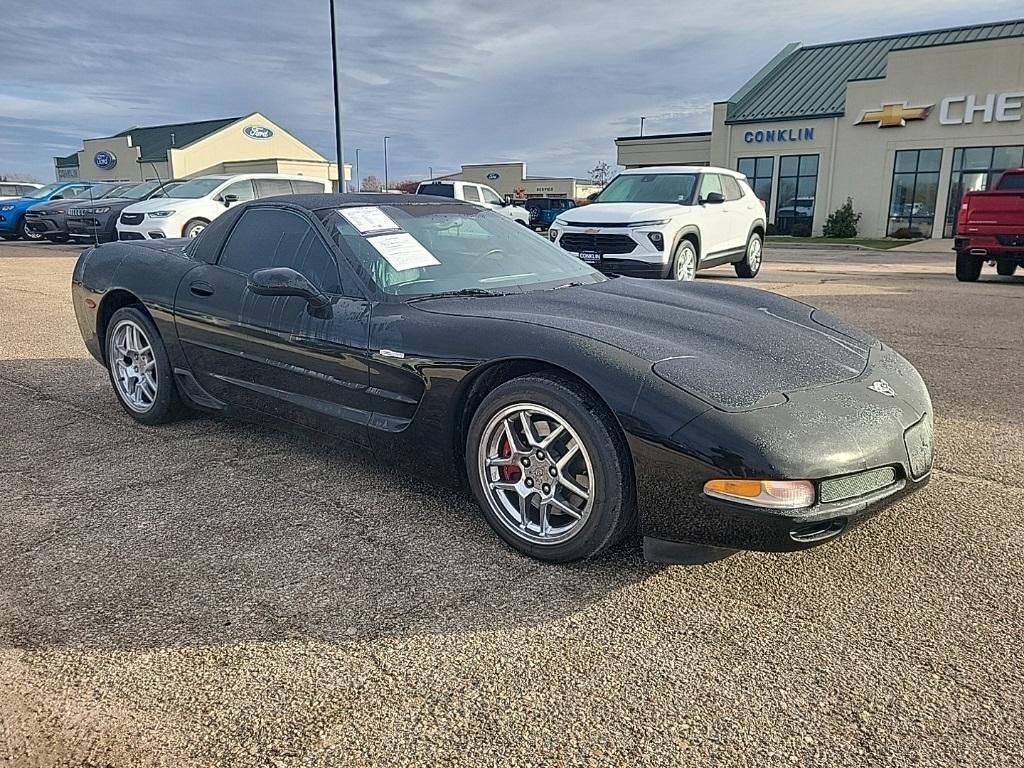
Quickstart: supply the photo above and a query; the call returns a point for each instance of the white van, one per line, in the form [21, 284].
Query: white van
[199, 201]
[479, 194]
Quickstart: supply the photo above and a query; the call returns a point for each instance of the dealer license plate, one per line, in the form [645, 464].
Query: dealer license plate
[591, 257]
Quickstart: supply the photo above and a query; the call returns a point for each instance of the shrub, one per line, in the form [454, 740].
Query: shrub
[801, 228]
[842, 222]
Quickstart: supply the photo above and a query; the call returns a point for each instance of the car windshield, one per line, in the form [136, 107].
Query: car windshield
[650, 188]
[144, 190]
[39, 194]
[439, 248]
[106, 190]
[197, 188]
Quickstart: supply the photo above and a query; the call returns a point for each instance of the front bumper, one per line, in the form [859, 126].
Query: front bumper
[101, 225]
[149, 228]
[629, 251]
[48, 225]
[838, 437]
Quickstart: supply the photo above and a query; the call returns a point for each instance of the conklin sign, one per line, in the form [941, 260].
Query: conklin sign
[779, 135]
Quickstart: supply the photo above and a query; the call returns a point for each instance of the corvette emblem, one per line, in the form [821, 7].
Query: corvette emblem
[882, 387]
[894, 115]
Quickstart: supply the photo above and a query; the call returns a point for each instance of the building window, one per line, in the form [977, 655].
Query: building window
[798, 183]
[977, 168]
[759, 172]
[915, 188]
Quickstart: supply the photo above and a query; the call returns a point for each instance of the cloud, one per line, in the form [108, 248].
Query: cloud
[451, 81]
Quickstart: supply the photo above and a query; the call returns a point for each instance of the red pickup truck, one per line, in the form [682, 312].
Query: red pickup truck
[990, 227]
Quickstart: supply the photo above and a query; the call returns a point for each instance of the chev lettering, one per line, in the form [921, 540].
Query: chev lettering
[997, 107]
[779, 135]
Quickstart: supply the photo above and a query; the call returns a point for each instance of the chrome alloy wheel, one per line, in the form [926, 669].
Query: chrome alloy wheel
[685, 267]
[754, 254]
[194, 230]
[536, 474]
[133, 365]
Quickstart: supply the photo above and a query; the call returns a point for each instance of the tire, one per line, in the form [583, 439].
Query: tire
[1006, 268]
[193, 227]
[166, 405]
[685, 261]
[602, 469]
[57, 238]
[8, 237]
[752, 258]
[968, 268]
[24, 234]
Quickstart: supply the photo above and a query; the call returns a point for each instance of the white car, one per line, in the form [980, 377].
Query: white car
[667, 222]
[12, 190]
[199, 201]
[479, 194]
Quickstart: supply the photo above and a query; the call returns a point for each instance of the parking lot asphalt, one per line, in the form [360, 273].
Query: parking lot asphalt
[215, 593]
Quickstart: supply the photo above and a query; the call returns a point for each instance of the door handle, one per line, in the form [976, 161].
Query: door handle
[199, 288]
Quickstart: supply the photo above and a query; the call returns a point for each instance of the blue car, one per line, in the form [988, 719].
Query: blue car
[12, 212]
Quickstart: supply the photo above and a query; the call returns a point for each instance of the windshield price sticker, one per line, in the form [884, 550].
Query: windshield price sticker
[403, 251]
[368, 220]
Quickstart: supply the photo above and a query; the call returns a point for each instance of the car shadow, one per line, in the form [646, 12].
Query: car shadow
[212, 531]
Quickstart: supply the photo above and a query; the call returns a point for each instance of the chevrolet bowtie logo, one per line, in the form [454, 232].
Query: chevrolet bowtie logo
[894, 115]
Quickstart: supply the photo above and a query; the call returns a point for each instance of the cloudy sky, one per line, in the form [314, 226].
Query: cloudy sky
[551, 82]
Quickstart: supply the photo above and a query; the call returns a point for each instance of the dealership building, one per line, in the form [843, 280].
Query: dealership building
[249, 144]
[903, 125]
[512, 179]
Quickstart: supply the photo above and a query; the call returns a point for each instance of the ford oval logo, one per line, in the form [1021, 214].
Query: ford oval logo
[257, 132]
[493, 176]
[104, 160]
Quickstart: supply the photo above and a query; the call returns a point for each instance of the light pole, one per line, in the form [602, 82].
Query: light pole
[339, 143]
[642, 125]
[359, 181]
[431, 169]
[386, 161]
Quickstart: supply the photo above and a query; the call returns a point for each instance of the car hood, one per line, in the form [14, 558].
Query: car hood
[54, 206]
[620, 213]
[163, 204]
[735, 348]
[114, 203]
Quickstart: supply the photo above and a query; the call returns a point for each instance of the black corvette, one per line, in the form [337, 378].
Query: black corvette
[579, 407]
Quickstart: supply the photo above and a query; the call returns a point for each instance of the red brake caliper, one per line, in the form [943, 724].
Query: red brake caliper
[509, 472]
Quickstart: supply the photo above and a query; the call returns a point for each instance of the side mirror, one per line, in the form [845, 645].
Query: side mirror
[285, 281]
[56, 197]
[508, 199]
[713, 198]
[229, 199]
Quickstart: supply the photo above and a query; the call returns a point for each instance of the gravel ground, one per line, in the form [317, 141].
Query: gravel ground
[216, 594]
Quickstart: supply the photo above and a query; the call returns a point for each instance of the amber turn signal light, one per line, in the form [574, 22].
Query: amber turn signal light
[771, 494]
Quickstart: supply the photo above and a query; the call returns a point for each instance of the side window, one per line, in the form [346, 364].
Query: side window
[730, 188]
[471, 193]
[306, 187]
[490, 196]
[9, 190]
[710, 182]
[240, 189]
[271, 187]
[268, 237]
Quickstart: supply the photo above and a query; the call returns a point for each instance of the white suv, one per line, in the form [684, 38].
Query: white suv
[479, 194]
[667, 221]
[199, 201]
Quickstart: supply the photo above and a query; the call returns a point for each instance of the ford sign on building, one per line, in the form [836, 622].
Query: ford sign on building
[903, 124]
[104, 160]
[248, 144]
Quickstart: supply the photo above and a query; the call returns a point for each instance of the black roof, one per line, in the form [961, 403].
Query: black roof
[322, 200]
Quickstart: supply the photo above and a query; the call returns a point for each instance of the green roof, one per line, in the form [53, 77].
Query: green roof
[810, 81]
[154, 141]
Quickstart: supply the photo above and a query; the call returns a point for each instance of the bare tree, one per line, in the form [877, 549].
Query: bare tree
[371, 184]
[599, 173]
[409, 186]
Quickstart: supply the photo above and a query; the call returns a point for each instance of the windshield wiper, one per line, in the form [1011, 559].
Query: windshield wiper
[573, 284]
[459, 292]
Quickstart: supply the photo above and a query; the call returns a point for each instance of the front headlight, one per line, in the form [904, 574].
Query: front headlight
[771, 494]
[655, 223]
[552, 234]
[6, 207]
[97, 210]
[160, 214]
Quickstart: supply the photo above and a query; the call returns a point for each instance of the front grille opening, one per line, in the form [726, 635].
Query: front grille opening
[601, 243]
[852, 486]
